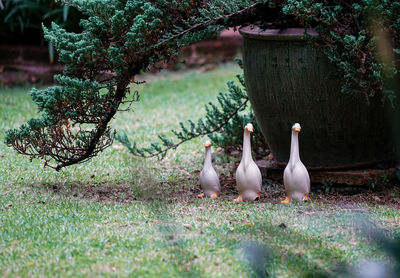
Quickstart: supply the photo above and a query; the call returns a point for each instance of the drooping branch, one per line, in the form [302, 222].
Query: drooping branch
[215, 119]
[100, 130]
[162, 152]
[232, 20]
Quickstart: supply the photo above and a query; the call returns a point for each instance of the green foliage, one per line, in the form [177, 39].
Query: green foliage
[24, 18]
[22, 15]
[356, 36]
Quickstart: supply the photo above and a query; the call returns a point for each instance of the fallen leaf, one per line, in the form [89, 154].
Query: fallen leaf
[187, 226]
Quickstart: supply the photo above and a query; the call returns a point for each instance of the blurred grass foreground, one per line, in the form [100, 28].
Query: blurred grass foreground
[118, 215]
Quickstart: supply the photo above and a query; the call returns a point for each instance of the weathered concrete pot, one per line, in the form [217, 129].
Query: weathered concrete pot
[286, 80]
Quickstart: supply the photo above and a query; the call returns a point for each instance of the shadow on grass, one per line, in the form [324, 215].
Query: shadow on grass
[268, 257]
[277, 251]
[287, 252]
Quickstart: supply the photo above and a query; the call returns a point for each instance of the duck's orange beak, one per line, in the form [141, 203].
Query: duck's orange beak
[297, 129]
[249, 129]
[207, 145]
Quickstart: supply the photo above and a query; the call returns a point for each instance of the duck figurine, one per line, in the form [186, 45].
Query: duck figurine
[248, 175]
[295, 176]
[209, 180]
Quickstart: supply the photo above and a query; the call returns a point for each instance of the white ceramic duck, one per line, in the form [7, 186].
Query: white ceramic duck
[248, 175]
[295, 176]
[208, 177]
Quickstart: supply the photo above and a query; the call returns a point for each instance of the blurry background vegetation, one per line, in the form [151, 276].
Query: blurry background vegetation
[21, 20]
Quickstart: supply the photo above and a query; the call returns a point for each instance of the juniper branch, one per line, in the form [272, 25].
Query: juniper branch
[231, 103]
[164, 151]
[216, 20]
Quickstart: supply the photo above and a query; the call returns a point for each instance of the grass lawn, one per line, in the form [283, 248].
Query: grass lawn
[118, 215]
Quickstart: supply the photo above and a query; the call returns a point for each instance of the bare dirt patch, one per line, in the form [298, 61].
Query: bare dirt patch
[272, 192]
[389, 196]
[106, 193]
[344, 197]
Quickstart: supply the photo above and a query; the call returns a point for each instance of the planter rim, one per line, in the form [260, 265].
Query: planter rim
[287, 34]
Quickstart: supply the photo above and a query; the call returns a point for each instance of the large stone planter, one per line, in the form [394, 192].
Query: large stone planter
[286, 80]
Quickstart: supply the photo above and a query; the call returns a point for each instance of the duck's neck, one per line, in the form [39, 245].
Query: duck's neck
[246, 156]
[207, 159]
[294, 149]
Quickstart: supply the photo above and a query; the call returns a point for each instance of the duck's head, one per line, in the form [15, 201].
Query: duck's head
[207, 144]
[296, 127]
[249, 128]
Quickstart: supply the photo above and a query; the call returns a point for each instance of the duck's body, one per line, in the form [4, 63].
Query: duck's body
[248, 175]
[248, 181]
[295, 177]
[209, 180]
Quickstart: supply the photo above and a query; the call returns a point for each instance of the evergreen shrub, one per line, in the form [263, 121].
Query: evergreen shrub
[121, 38]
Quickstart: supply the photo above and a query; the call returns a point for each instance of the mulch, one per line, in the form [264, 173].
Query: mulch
[273, 192]
[336, 195]
[104, 193]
